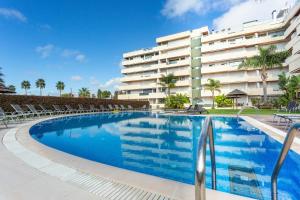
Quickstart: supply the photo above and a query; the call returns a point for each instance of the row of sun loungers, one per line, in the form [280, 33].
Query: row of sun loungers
[32, 111]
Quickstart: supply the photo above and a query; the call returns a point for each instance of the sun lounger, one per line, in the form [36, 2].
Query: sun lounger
[71, 110]
[103, 109]
[8, 116]
[117, 107]
[94, 109]
[50, 112]
[110, 107]
[123, 107]
[59, 111]
[288, 118]
[21, 112]
[82, 109]
[130, 107]
[34, 111]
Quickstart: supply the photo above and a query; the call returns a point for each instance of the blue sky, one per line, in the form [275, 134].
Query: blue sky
[81, 42]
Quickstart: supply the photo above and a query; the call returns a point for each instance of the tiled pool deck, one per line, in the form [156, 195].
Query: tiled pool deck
[30, 170]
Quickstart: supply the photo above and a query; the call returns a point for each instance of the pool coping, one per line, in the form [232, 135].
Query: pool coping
[66, 166]
[273, 132]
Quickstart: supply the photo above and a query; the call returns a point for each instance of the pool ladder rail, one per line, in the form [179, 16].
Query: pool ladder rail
[293, 131]
[207, 132]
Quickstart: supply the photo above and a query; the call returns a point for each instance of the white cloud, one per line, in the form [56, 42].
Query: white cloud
[175, 8]
[249, 10]
[13, 14]
[178, 8]
[46, 27]
[80, 57]
[111, 84]
[45, 51]
[76, 78]
[77, 55]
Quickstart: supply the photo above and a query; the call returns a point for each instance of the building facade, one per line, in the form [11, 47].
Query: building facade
[198, 55]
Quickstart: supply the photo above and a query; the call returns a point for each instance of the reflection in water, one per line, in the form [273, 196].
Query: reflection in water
[165, 146]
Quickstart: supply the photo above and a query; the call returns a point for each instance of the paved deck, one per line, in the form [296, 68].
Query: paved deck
[30, 170]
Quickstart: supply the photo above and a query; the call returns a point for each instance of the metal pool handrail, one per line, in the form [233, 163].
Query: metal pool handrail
[207, 131]
[284, 151]
[244, 107]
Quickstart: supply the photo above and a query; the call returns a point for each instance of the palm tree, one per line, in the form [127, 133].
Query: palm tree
[26, 86]
[168, 82]
[12, 88]
[40, 83]
[213, 85]
[60, 86]
[99, 94]
[105, 94]
[84, 92]
[1, 79]
[268, 58]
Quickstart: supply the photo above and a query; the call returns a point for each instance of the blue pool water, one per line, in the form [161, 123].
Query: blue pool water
[166, 146]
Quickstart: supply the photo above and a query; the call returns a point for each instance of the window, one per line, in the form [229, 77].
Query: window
[211, 43]
[211, 65]
[249, 37]
[262, 35]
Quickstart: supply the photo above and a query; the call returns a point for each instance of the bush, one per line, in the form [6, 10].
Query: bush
[176, 101]
[223, 101]
[255, 101]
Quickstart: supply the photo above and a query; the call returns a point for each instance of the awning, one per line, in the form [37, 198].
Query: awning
[5, 90]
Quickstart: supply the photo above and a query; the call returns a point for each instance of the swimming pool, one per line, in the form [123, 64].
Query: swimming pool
[165, 146]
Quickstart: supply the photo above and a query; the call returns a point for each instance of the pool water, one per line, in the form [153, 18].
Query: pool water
[166, 146]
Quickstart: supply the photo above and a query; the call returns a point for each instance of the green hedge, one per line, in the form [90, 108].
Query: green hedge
[48, 101]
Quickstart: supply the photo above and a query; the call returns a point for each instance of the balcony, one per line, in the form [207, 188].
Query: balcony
[244, 43]
[218, 69]
[140, 61]
[137, 86]
[140, 52]
[184, 52]
[292, 42]
[139, 78]
[177, 45]
[129, 70]
[294, 63]
[249, 91]
[228, 56]
[183, 83]
[294, 23]
[178, 72]
[241, 79]
[142, 97]
[178, 63]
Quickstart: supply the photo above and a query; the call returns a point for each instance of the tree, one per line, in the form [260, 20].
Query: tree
[12, 88]
[268, 58]
[106, 94]
[1, 77]
[168, 82]
[176, 101]
[40, 83]
[60, 86]
[84, 92]
[289, 85]
[26, 86]
[213, 85]
[99, 94]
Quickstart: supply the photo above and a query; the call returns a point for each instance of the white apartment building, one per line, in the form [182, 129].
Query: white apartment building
[173, 54]
[197, 55]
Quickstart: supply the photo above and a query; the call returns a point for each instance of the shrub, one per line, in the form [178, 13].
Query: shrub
[223, 101]
[176, 101]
